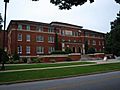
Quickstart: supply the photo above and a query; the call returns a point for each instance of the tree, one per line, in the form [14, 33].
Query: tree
[67, 4]
[1, 20]
[113, 37]
[86, 46]
[3, 58]
[16, 56]
[91, 50]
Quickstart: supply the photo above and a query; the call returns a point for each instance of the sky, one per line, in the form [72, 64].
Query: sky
[96, 16]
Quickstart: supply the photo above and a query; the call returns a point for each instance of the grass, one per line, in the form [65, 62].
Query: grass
[56, 73]
[43, 65]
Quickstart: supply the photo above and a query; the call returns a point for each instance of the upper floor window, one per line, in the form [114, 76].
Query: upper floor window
[39, 38]
[19, 37]
[50, 29]
[51, 39]
[19, 27]
[40, 28]
[27, 49]
[39, 50]
[94, 42]
[28, 27]
[27, 37]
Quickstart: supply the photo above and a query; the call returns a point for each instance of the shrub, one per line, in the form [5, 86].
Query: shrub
[24, 60]
[68, 50]
[91, 50]
[3, 56]
[35, 60]
[15, 56]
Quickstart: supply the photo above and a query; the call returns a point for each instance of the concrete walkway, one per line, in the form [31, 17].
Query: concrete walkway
[97, 62]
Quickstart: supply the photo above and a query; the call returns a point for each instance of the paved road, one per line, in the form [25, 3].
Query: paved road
[106, 81]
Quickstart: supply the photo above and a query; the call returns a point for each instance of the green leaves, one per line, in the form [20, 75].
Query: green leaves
[113, 37]
[67, 4]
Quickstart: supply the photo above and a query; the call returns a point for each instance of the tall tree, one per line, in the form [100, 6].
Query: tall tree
[1, 20]
[113, 37]
[67, 4]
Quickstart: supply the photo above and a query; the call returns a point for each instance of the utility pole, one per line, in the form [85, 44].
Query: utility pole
[3, 61]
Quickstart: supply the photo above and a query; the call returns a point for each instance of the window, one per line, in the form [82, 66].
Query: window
[40, 28]
[51, 39]
[74, 40]
[27, 27]
[39, 38]
[94, 42]
[19, 27]
[19, 49]
[99, 43]
[51, 49]
[50, 29]
[103, 43]
[88, 42]
[39, 50]
[62, 32]
[27, 37]
[19, 37]
[27, 49]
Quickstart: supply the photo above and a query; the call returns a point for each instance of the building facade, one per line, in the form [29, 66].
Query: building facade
[29, 38]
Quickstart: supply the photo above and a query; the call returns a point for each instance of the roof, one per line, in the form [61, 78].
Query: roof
[65, 25]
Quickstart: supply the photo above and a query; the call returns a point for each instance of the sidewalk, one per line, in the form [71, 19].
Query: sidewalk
[97, 62]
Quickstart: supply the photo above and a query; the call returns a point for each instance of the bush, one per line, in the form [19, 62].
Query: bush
[68, 50]
[24, 60]
[35, 60]
[15, 56]
[91, 50]
[59, 52]
[3, 56]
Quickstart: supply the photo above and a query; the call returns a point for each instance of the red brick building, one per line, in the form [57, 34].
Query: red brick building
[30, 38]
[1, 39]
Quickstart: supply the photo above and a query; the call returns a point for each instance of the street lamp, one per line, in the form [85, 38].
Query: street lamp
[6, 1]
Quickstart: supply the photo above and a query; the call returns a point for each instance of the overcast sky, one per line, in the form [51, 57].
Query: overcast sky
[96, 16]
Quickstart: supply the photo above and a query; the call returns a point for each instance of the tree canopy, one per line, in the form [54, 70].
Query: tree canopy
[67, 4]
[113, 37]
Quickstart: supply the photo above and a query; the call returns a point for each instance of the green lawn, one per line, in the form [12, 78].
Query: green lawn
[43, 65]
[56, 73]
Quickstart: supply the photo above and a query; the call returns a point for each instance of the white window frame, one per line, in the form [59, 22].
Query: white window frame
[27, 37]
[39, 38]
[51, 29]
[19, 49]
[51, 39]
[19, 37]
[40, 50]
[51, 49]
[27, 49]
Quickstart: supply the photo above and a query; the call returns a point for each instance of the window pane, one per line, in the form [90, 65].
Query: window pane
[28, 27]
[39, 50]
[19, 27]
[19, 37]
[39, 38]
[51, 39]
[19, 49]
[27, 37]
[27, 49]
